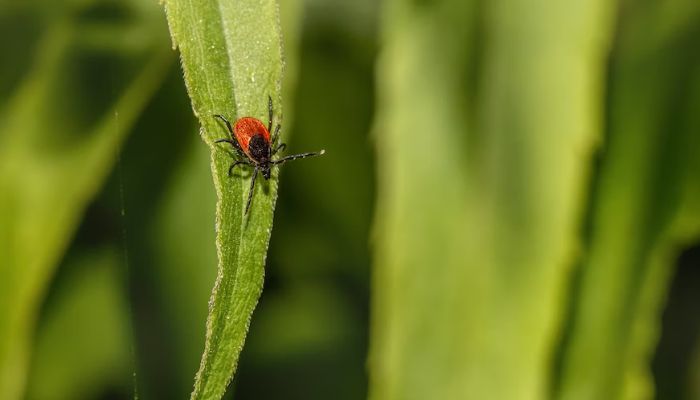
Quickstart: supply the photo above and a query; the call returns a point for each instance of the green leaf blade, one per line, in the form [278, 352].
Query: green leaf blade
[644, 207]
[232, 61]
[479, 191]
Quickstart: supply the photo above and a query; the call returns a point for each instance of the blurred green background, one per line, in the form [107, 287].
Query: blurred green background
[511, 197]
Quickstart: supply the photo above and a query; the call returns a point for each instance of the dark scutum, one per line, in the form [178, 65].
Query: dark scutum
[259, 148]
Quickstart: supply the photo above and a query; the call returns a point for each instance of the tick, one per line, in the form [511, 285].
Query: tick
[251, 140]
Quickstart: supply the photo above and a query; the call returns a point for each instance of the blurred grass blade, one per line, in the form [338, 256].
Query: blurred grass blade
[645, 204]
[60, 134]
[232, 61]
[89, 297]
[480, 183]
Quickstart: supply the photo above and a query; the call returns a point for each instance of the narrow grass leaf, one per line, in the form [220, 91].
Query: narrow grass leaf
[232, 61]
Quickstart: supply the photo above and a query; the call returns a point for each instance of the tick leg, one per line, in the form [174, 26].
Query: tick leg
[269, 112]
[234, 144]
[239, 162]
[228, 124]
[279, 148]
[227, 140]
[297, 156]
[252, 188]
[232, 141]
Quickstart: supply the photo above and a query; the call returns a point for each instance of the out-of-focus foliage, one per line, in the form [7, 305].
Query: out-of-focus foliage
[479, 190]
[68, 107]
[89, 296]
[537, 181]
[644, 204]
[481, 225]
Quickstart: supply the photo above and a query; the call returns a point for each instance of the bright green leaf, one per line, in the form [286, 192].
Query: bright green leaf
[644, 205]
[484, 145]
[232, 61]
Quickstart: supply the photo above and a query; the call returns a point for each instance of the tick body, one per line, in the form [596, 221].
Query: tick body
[255, 147]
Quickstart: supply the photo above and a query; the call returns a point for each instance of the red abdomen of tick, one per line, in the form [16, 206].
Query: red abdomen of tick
[248, 127]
